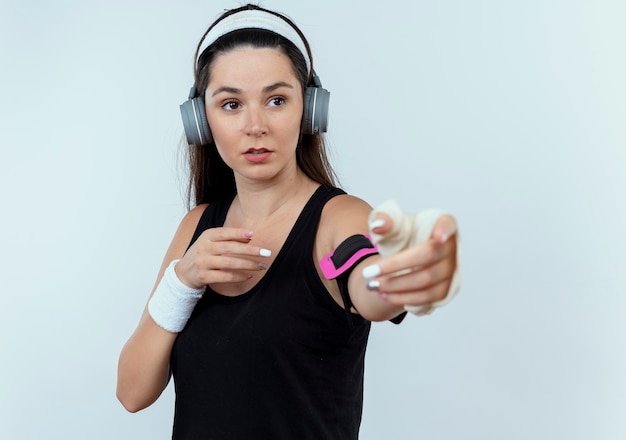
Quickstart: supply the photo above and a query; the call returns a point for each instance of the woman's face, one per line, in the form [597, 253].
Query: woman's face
[254, 107]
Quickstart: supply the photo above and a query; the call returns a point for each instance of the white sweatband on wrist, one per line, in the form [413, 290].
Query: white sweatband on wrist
[173, 302]
[410, 230]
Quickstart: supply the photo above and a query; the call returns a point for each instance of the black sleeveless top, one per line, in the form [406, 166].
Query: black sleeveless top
[280, 361]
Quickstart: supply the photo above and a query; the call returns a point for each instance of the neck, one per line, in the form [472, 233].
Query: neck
[260, 203]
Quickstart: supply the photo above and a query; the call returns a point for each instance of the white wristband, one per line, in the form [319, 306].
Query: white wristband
[173, 302]
[409, 230]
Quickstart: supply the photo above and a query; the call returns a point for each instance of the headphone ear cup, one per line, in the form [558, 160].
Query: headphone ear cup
[315, 116]
[195, 122]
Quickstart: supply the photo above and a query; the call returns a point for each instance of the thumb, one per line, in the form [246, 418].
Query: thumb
[380, 223]
[445, 227]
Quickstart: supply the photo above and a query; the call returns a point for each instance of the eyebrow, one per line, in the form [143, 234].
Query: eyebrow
[236, 91]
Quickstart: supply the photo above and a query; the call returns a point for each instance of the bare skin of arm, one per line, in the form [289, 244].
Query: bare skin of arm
[219, 255]
[431, 264]
[143, 369]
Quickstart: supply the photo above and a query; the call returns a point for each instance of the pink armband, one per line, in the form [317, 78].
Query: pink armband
[350, 252]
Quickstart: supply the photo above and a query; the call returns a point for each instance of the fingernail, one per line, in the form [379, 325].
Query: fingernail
[248, 234]
[444, 237]
[377, 223]
[262, 266]
[266, 253]
[371, 271]
[382, 295]
[373, 285]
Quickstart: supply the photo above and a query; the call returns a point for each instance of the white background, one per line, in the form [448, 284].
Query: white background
[512, 115]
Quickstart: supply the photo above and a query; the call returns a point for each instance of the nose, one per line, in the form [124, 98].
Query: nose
[256, 122]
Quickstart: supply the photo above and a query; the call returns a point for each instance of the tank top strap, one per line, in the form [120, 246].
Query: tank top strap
[305, 229]
[306, 224]
[214, 215]
[312, 211]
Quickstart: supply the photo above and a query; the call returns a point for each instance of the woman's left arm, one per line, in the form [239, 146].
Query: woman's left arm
[416, 276]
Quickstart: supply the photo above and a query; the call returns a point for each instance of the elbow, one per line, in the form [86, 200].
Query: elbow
[131, 409]
[378, 313]
[130, 403]
[136, 394]
[379, 317]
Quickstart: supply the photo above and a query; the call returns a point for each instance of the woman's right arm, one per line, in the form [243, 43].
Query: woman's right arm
[219, 255]
[143, 369]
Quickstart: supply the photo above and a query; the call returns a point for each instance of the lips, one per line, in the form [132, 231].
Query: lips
[256, 151]
[257, 155]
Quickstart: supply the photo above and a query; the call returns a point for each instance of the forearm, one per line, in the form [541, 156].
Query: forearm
[143, 369]
[368, 302]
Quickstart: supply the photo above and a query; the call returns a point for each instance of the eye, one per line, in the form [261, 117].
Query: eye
[276, 101]
[230, 106]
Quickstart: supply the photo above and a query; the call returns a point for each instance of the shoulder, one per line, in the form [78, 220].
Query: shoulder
[185, 231]
[191, 219]
[344, 204]
[344, 215]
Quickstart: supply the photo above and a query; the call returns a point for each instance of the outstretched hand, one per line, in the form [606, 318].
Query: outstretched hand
[422, 273]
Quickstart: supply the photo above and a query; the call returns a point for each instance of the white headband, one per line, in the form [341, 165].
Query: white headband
[256, 19]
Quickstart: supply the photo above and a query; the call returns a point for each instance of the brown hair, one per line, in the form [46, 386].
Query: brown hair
[209, 177]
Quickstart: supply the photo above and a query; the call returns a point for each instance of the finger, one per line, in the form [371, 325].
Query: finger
[445, 227]
[218, 269]
[231, 263]
[228, 234]
[421, 255]
[236, 248]
[226, 276]
[434, 293]
[416, 280]
[381, 223]
[221, 241]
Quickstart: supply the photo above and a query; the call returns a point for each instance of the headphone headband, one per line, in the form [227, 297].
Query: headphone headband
[315, 111]
[255, 19]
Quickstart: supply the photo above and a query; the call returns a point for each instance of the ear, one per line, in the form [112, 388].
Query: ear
[195, 122]
[316, 103]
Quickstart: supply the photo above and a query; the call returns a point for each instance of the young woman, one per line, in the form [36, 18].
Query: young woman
[262, 307]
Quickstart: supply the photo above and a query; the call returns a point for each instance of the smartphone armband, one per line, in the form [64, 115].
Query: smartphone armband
[347, 255]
